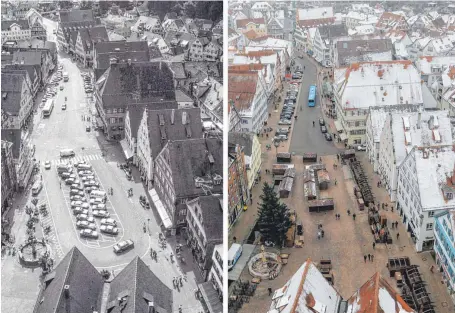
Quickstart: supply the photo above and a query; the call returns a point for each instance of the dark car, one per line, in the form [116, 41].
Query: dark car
[321, 121]
[328, 137]
[323, 129]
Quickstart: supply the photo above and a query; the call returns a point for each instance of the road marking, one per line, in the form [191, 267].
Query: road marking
[54, 236]
[86, 158]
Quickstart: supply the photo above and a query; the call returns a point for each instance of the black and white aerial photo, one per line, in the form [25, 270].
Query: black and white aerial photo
[112, 156]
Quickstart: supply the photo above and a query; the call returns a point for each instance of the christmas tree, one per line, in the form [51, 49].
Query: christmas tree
[274, 217]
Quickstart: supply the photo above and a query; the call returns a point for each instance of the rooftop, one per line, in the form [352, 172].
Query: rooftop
[243, 23]
[434, 168]
[243, 139]
[351, 51]
[382, 83]
[122, 50]
[242, 89]
[315, 13]
[211, 215]
[76, 15]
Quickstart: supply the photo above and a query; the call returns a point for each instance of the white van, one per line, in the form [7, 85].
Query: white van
[37, 187]
[67, 153]
[235, 251]
[98, 194]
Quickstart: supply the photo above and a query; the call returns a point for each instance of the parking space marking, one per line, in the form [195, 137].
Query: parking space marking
[92, 243]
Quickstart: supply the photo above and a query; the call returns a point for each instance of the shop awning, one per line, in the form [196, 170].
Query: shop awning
[211, 297]
[338, 126]
[126, 149]
[160, 208]
[343, 137]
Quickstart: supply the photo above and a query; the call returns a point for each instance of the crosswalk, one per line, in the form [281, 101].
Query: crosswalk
[87, 158]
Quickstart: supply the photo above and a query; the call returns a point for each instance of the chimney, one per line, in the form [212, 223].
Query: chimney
[66, 291]
[172, 116]
[151, 307]
[129, 62]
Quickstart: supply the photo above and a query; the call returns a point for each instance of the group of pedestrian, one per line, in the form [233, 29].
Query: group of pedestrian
[368, 256]
[395, 224]
[337, 216]
[177, 282]
[335, 166]
[320, 232]
[379, 184]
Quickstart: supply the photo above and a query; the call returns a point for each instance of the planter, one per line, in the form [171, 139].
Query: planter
[26, 256]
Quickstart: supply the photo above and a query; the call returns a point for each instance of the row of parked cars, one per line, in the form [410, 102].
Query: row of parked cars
[288, 107]
[327, 135]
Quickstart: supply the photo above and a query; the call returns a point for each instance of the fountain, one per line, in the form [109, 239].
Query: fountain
[32, 252]
[265, 265]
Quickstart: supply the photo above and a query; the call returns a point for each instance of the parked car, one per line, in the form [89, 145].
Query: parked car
[78, 198]
[85, 224]
[123, 246]
[361, 148]
[109, 229]
[321, 121]
[89, 233]
[85, 217]
[76, 203]
[37, 187]
[101, 213]
[47, 165]
[284, 122]
[323, 129]
[79, 210]
[64, 106]
[328, 137]
[109, 221]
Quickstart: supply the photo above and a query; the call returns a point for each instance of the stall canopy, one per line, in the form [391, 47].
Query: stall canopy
[126, 149]
[211, 297]
[338, 126]
[343, 137]
[160, 208]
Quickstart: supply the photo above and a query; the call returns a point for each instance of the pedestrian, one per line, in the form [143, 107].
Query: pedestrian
[393, 224]
[319, 235]
[396, 224]
[335, 181]
[353, 216]
[322, 233]
[398, 236]
[374, 245]
[372, 258]
[365, 258]
[383, 206]
[270, 291]
[180, 309]
[349, 212]
[369, 257]
[234, 239]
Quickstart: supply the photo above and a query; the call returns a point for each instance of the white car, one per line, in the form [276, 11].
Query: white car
[109, 221]
[76, 203]
[361, 148]
[109, 229]
[86, 224]
[47, 165]
[89, 233]
[101, 213]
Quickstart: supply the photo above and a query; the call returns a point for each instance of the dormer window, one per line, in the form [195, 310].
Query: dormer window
[198, 182]
[449, 196]
[217, 179]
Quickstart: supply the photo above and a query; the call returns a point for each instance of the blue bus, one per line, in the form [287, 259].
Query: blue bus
[312, 96]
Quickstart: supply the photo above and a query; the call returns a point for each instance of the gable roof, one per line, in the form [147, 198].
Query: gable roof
[122, 50]
[243, 139]
[23, 24]
[242, 89]
[193, 158]
[212, 216]
[306, 292]
[332, 31]
[138, 286]
[28, 57]
[243, 23]
[85, 285]
[91, 35]
[167, 124]
[377, 296]
[76, 15]
[145, 81]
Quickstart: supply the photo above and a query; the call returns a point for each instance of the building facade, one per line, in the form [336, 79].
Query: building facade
[16, 30]
[9, 180]
[444, 248]
[238, 196]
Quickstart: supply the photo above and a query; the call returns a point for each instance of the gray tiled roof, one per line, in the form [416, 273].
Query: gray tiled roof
[190, 159]
[22, 23]
[12, 82]
[332, 31]
[28, 57]
[212, 216]
[171, 35]
[244, 140]
[174, 129]
[76, 15]
[91, 35]
[350, 51]
[85, 286]
[140, 286]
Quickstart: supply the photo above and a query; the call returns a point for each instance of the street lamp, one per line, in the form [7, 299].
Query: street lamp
[276, 143]
[148, 226]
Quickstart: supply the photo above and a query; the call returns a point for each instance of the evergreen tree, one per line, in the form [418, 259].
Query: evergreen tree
[274, 217]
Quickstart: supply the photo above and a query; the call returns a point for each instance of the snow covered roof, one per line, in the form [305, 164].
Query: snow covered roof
[315, 13]
[382, 83]
[425, 63]
[434, 167]
[306, 292]
[443, 44]
[378, 116]
[421, 137]
[273, 43]
[375, 296]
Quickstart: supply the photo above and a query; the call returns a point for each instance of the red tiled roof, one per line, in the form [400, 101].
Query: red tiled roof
[251, 34]
[242, 89]
[243, 23]
[241, 68]
[258, 54]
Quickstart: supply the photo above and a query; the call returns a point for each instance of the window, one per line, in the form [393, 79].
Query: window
[429, 226]
[431, 214]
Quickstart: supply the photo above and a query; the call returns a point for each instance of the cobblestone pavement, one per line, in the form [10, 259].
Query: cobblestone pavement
[345, 242]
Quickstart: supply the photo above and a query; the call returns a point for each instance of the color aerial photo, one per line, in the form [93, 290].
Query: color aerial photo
[112, 162]
[341, 156]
